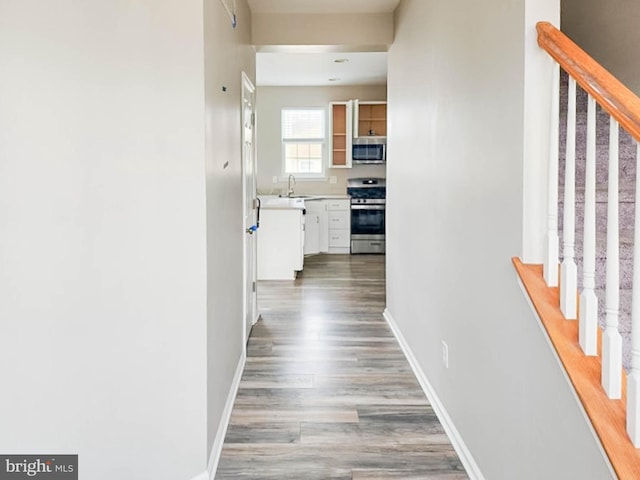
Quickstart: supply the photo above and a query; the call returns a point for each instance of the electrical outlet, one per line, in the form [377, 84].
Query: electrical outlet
[274, 179]
[445, 354]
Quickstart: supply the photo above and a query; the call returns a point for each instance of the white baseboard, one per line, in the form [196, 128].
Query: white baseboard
[216, 450]
[456, 439]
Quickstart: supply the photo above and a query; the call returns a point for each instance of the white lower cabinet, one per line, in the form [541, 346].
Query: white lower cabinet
[339, 217]
[286, 235]
[328, 226]
[339, 239]
[281, 239]
[313, 227]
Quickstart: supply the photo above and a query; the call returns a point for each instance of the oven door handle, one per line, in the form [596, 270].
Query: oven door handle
[367, 207]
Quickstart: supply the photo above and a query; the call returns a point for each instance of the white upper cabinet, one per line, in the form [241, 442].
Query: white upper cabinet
[351, 120]
[341, 134]
[369, 119]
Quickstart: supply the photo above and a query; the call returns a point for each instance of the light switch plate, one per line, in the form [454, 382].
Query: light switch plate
[333, 179]
[274, 179]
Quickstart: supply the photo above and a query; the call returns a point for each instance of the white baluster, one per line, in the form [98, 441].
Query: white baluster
[569, 271]
[611, 339]
[633, 379]
[551, 263]
[588, 328]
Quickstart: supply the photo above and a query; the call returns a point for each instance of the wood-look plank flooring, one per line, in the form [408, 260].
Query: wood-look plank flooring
[327, 392]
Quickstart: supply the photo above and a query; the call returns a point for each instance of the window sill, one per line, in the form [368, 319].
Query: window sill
[303, 178]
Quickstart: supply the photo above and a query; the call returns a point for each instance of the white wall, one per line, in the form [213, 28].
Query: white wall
[360, 29]
[227, 54]
[102, 243]
[457, 84]
[271, 101]
[608, 31]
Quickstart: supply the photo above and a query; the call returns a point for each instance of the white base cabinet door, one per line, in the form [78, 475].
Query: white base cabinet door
[316, 234]
[311, 233]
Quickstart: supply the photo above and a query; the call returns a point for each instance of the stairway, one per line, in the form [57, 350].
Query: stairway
[627, 174]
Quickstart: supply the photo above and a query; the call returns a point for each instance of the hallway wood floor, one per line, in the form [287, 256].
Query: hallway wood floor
[327, 392]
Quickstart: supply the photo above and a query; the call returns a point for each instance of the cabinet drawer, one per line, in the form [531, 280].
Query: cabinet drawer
[339, 238]
[341, 204]
[341, 220]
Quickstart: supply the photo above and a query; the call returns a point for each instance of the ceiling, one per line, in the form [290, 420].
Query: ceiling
[321, 69]
[315, 66]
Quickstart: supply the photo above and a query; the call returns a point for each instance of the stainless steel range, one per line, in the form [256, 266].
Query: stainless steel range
[368, 203]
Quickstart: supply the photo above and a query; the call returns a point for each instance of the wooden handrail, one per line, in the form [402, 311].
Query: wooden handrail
[620, 102]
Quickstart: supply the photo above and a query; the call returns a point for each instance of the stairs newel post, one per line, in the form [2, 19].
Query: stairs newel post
[551, 260]
[633, 378]
[611, 339]
[588, 328]
[569, 271]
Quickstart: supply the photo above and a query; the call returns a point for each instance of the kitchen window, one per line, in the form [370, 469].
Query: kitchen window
[303, 141]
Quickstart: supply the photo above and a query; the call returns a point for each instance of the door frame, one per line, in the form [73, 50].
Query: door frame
[250, 271]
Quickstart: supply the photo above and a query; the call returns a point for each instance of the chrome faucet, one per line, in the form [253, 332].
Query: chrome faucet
[290, 188]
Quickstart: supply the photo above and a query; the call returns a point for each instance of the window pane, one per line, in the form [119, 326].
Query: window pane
[303, 124]
[303, 158]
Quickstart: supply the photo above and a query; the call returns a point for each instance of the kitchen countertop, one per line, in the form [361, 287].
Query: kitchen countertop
[327, 197]
[284, 203]
[273, 202]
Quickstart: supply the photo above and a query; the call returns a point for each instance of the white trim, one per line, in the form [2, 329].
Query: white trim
[216, 450]
[248, 86]
[460, 447]
[303, 179]
[202, 476]
[318, 140]
[230, 8]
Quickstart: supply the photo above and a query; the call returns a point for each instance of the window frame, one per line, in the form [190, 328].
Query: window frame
[323, 144]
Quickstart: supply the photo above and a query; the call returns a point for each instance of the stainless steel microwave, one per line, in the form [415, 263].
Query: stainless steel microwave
[369, 153]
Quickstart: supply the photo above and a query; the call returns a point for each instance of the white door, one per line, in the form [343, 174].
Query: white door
[250, 204]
